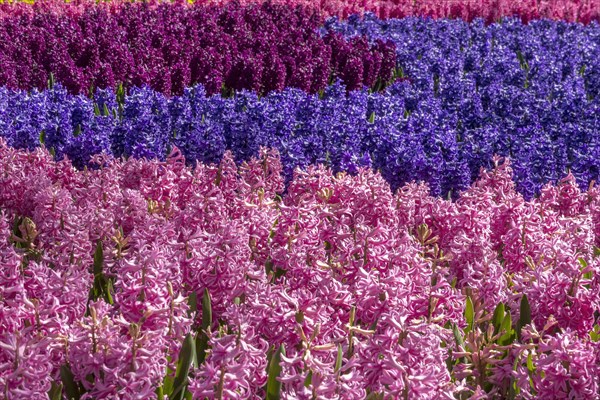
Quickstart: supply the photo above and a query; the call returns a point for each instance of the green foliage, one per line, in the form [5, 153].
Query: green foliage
[524, 315]
[469, 314]
[498, 317]
[509, 334]
[55, 392]
[273, 388]
[339, 358]
[186, 357]
[103, 286]
[73, 389]
[202, 335]
[595, 333]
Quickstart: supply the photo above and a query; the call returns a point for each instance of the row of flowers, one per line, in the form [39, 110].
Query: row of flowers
[266, 47]
[169, 47]
[584, 11]
[404, 133]
[148, 279]
[463, 93]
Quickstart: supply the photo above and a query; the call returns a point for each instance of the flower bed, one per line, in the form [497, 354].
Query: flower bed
[128, 280]
[169, 47]
[239, 201]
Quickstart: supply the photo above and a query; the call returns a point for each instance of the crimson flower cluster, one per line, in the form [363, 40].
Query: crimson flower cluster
[170, 47]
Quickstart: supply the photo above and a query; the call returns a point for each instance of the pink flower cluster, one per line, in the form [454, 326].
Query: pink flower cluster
[332, 287]
[584, 11]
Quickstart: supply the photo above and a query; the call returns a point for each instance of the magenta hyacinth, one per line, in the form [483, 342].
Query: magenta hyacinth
[354, 289]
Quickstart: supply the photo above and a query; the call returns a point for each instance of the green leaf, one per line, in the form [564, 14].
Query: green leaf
[105, 110]
[98, 258]
[530, 366]
[453, 283]
[339, 359]
[459, 340]
[399, 72]
[589, 274]
[77, 131]
[457, 336]
[109, 290]
[506, 327]
[595, 334]
[352, 317]
[103, 286]
[42, 137]
[498, 317]
[55, 392]
[167, 386]
[524, 315]
[507, 338]
[308, 379]
[160, 394]
[120, 94]
[268, 266]
[51, 81]
[202, 336]
[96, 110]
[372, 117]
[72, 388]
[506, 322]
[193, 303]
[206, 310]
[186, 356]
[514, 389]
[375, 396]
[469, 314]
[273, 384]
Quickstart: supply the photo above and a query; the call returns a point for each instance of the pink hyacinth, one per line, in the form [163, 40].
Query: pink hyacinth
[366, 290]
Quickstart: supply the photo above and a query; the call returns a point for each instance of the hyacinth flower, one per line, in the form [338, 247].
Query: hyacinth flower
[569, 10]
[169, 47]
[480, 91]
[345, 132]
[334, 287]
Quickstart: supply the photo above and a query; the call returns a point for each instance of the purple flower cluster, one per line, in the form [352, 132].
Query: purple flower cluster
[169, 47]
[528, 91]
[151, 279]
